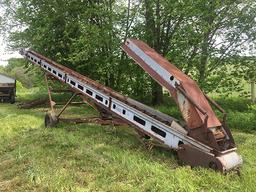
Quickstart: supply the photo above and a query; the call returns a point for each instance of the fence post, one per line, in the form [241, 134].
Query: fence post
[253, 93]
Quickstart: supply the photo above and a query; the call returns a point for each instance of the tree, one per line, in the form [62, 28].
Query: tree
[197, 36]
[80, 35]
[249, 69]
[214, 31]
[17, 68]
[162, 20]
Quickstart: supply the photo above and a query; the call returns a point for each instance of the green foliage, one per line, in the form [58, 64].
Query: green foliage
[87, 157]
[19, 69]
[241, 113]
[197, 36]
[1, 69]
[243, 121]
[249, 68]
[19, 86]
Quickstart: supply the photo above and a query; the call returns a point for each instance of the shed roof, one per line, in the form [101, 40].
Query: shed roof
[6, 78]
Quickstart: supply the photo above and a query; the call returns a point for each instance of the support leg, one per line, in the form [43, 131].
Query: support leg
[51, 102]
[50, 119]
[66, 105]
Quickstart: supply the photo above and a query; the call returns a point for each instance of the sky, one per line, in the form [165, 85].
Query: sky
[5, 54]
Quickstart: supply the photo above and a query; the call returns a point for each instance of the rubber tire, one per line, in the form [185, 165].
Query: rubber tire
[213, 165]
[50, 120]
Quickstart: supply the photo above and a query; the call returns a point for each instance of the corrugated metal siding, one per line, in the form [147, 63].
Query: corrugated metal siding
[6, 79]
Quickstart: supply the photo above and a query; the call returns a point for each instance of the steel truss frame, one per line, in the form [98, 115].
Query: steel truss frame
[146, 120]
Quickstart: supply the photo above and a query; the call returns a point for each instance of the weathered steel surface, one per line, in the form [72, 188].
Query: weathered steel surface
[197, 146]
[223, 162]
[6, 79]
[145, 109]
[7, 88]
[201, 121]
[191, 114]
[94, 120]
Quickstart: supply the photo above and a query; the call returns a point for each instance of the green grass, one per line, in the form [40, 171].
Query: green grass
[89, 157]
[241, 113]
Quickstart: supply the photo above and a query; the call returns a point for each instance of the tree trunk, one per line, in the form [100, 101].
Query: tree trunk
[204, 59]
[209, 19]
[253, 92]
[157, 93]
[202, 68]
[153, 39]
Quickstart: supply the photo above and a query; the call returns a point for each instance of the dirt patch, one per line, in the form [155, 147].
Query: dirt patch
[9, 185]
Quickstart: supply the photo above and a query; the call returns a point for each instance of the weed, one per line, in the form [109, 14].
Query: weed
[84, 157]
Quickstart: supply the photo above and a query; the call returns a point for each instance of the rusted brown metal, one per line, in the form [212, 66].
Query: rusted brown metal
[51, 102]
[72, 103]
[200, 119]
[100, 87]
[51, 119]
[224, 124]
[61, 90]
[66, 105]
[204, 145]
[94, 120]
[196, 158]
[187, 84]
[217, 106]
[220, 162]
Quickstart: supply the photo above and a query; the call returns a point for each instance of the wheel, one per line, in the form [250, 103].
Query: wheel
[50, 119]
[213, 165]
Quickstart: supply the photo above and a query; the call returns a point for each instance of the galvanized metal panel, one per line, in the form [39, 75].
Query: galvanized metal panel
[170, 76]
[170, 132]
[6, 79]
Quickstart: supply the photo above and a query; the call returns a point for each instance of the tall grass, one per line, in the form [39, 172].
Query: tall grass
[87, 157]
[241, 112]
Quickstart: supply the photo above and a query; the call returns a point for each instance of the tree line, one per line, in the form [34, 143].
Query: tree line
[212, 41]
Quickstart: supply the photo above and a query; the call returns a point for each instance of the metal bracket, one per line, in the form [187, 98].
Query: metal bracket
[66, 105]
[195, 104]
[51, 102]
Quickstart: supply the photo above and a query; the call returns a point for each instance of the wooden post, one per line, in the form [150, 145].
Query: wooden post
[253, 93]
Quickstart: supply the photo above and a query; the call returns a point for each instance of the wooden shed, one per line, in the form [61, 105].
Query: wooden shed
[7, 88]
